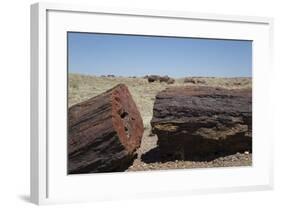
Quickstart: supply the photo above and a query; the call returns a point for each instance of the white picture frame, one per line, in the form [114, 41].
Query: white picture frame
[49, 180]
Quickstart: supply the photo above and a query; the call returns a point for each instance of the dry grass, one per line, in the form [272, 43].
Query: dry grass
[83, 87]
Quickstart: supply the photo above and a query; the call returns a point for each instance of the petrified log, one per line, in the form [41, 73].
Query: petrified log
[154, 78]
[104, 132]
[164, 78]
[201, 123]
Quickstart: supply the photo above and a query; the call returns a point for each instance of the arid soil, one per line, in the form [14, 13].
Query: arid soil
[149, 158]
[83, 87]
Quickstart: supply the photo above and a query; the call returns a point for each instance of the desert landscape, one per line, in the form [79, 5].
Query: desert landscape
[145, 91]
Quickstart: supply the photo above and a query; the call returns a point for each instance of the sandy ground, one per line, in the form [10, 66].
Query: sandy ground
[83, 87]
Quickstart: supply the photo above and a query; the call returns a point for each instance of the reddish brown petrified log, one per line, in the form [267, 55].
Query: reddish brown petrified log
[202, 122]
[104, 132]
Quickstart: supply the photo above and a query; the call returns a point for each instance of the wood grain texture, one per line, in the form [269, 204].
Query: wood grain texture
[200, 122]
[104, 132]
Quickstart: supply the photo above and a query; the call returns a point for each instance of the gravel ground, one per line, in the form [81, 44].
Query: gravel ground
[83, 87]
[148, 158]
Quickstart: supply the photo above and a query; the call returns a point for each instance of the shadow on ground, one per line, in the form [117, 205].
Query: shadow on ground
[154, 155]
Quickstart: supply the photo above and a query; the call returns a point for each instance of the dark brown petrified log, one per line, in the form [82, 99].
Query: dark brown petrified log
[200, 123]
[104, 132]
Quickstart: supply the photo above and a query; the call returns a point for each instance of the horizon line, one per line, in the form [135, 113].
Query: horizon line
[140, 76]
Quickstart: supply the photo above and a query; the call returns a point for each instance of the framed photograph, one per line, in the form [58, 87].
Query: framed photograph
[134, 103]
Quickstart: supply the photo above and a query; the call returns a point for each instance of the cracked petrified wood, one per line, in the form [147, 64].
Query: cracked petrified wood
[200, 123]
[104, 132]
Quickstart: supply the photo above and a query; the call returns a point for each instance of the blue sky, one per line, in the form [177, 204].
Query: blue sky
[131, 55]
